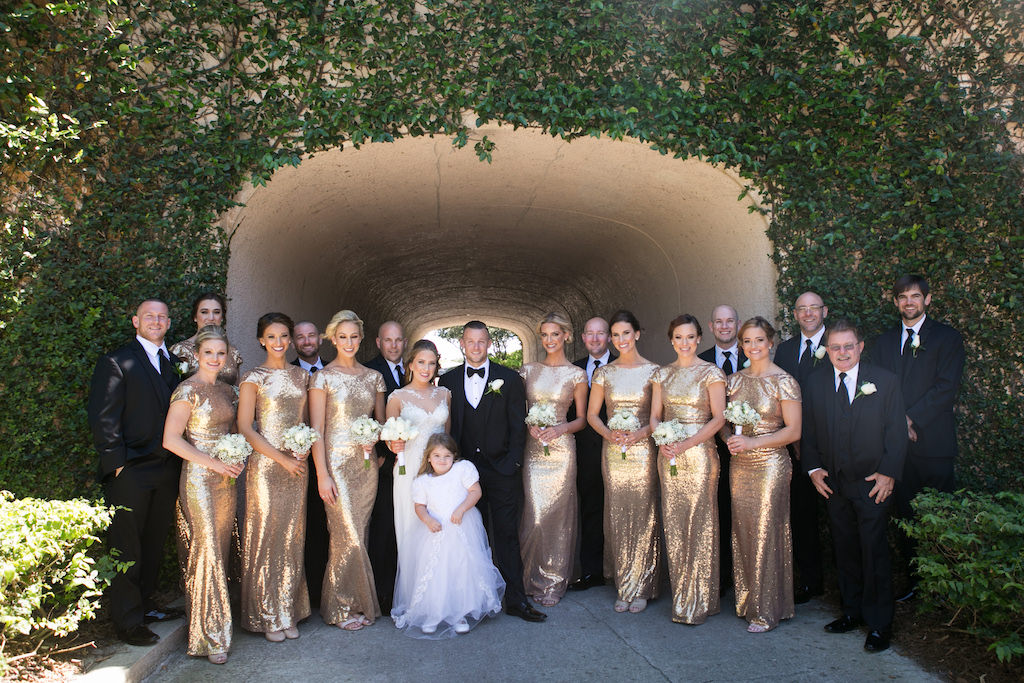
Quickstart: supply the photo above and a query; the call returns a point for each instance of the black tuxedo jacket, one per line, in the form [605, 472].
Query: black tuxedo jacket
[296, 363]
[929, 380]
[504, 414]
[709, 356]
[380, 364]
[787, 357]
[128, 402]
[878, 435]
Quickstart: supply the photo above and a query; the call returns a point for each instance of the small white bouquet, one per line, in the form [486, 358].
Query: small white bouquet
[741, 415]
[365, 431]
[398, 429]
[299, 439]
[623, 421]
[667, 433]
[232, 449]
[542, 415]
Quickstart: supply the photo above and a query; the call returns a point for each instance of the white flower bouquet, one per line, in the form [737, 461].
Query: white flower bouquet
[299, 439]
[231, 449]
[542, 415]
[623, 421]
[667, 433]
[741, 415]
[365, 431]
[398, 429]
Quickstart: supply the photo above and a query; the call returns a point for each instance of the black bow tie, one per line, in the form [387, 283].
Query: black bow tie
[475, 371]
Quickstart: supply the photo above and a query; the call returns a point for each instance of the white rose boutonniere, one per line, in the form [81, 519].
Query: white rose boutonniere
[865, 389]
[181, 369]
[746, 363]
[819, 354]
[494, 386]
[915, 345]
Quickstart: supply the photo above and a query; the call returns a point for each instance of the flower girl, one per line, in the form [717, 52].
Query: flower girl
[456, 584]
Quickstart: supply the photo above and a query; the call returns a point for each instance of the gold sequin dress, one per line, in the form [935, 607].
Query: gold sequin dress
[631, 526]
[547, 534]
[185, 350]
[689, 500]
[762, 546]
[274, 594]
[208, 505]
[348, 582]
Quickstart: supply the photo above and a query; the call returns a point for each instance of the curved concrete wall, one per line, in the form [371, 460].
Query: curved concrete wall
[428, 235]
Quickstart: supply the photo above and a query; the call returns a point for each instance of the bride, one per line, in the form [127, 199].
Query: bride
[427, 408]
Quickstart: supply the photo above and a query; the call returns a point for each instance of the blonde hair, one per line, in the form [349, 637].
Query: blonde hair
[340, 317]
[557, 319]
[210, 333]
[442, 440]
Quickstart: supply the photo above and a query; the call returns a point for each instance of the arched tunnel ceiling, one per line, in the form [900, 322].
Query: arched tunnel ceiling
[427, 234]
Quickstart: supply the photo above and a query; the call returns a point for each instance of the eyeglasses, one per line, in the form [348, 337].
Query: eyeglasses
[800, 310]
[836, 348]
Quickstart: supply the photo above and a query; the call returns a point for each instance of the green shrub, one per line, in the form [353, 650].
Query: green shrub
[970, 558]
[53, 569]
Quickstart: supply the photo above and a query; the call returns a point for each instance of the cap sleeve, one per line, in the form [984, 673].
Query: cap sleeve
[183, 392]
[320, 380]
[379, 384]
[254, 376]
[522, 371]
[468, 474]
[660, 375]
[598, 377]
[419, 489]
[714, 375]
[579, 376]
[789, 388]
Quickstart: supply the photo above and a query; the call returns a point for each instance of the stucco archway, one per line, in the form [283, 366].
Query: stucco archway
[427, 234]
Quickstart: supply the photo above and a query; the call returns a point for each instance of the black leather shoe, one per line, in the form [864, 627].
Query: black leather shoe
[163, 614]
[803, 594]
[842, 625]
[525, 611]
[585, 582]
[138, 635]
[877, 641]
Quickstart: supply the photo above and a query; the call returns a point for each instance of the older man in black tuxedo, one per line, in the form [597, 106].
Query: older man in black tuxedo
[853, 447]
[128, 400]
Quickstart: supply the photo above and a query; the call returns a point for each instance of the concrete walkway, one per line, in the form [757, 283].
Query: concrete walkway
[583, 639]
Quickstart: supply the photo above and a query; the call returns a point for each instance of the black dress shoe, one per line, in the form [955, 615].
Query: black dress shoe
[842, 625]
[585, 582]
[163, 614]
[525, 611]
[877, 641]
[803, 594]
[137, 635]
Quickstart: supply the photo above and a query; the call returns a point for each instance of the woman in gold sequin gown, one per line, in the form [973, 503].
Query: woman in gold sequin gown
[340, 393]
[691, 391]
[632, 543]
[202, 410]
[208, 309]
[760, 472]
[272, 398]
[547, 534]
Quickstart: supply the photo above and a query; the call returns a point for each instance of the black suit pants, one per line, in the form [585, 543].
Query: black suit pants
[590, 488]
[382, 546]
[859, 532]
[501, 508]
[803, 514]
[315, 550]
[149, 488]
[724, 516]
[918, 474]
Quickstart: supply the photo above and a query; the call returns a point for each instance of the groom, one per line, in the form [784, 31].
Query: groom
[488, 413]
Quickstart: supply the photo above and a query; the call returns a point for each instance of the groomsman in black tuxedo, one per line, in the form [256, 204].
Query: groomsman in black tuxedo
[128, 400]
[928, 357]
[307, 347]
[488, 413]
[727, 355]
[853, 447]
[383, 548]
[800, 356]
[589, 447]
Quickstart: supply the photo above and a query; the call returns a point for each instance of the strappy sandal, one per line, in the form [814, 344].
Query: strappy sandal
[620, 606]
[351, 624]
[364, 620]
[637, 606]
[757, 628]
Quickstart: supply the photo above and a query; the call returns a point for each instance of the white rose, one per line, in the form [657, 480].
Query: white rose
[746, 363]
[915, 343]
[819, 352]
[868, 388]
[496, 386]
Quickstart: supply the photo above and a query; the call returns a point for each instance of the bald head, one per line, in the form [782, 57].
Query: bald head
[724, 325]
[810, 311]
[595, 336]
[391, 341]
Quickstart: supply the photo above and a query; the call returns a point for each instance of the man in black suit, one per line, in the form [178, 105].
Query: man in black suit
[589, 447]
[928, 357]
[128, 399]
[383, 547]
[307, 347]
[488, 414]
[800, 356]
[853, 446]
[727, 355]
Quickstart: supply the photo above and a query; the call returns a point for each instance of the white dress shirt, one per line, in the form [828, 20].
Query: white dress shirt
[392, 367]
[851, 381]
[917, 332]
[319, 364]
[152, 350]
[591, 367]
[815, 342]
[735, 357]
[476, 385]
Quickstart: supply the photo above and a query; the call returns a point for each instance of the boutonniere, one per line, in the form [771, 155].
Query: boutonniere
[494, 386]
[915, 345]
[865, 389]
[819, 353]
[746, 363]
[181, 369]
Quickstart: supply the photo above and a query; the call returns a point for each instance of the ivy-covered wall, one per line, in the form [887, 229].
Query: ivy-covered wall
[878, 131]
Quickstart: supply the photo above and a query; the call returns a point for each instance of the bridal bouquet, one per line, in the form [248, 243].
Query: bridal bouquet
[232, 449]
[365, 431]
[623, 421]
[398, 429]
[741, 415]
[542, 415]
[668, 433]
[299, 439]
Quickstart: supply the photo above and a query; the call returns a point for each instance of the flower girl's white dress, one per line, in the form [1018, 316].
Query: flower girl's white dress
[455, 577]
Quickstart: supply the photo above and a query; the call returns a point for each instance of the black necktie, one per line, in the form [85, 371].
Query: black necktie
[727, 365]
[166, 371]
[807, 357]
[597, 364]
[842, 392]
[910, 338]
[312, 369]
[398, 374]
[475, 371]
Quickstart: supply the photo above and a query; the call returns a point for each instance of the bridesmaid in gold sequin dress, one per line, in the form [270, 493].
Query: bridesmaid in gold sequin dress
[691, 391]
[208, 309]
[547, 534]
[760, 472]
[340, 393]
[632, 543]
[272, 398]
[203, 410]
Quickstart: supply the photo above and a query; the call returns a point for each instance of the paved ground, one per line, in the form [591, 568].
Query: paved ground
[583, 639]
